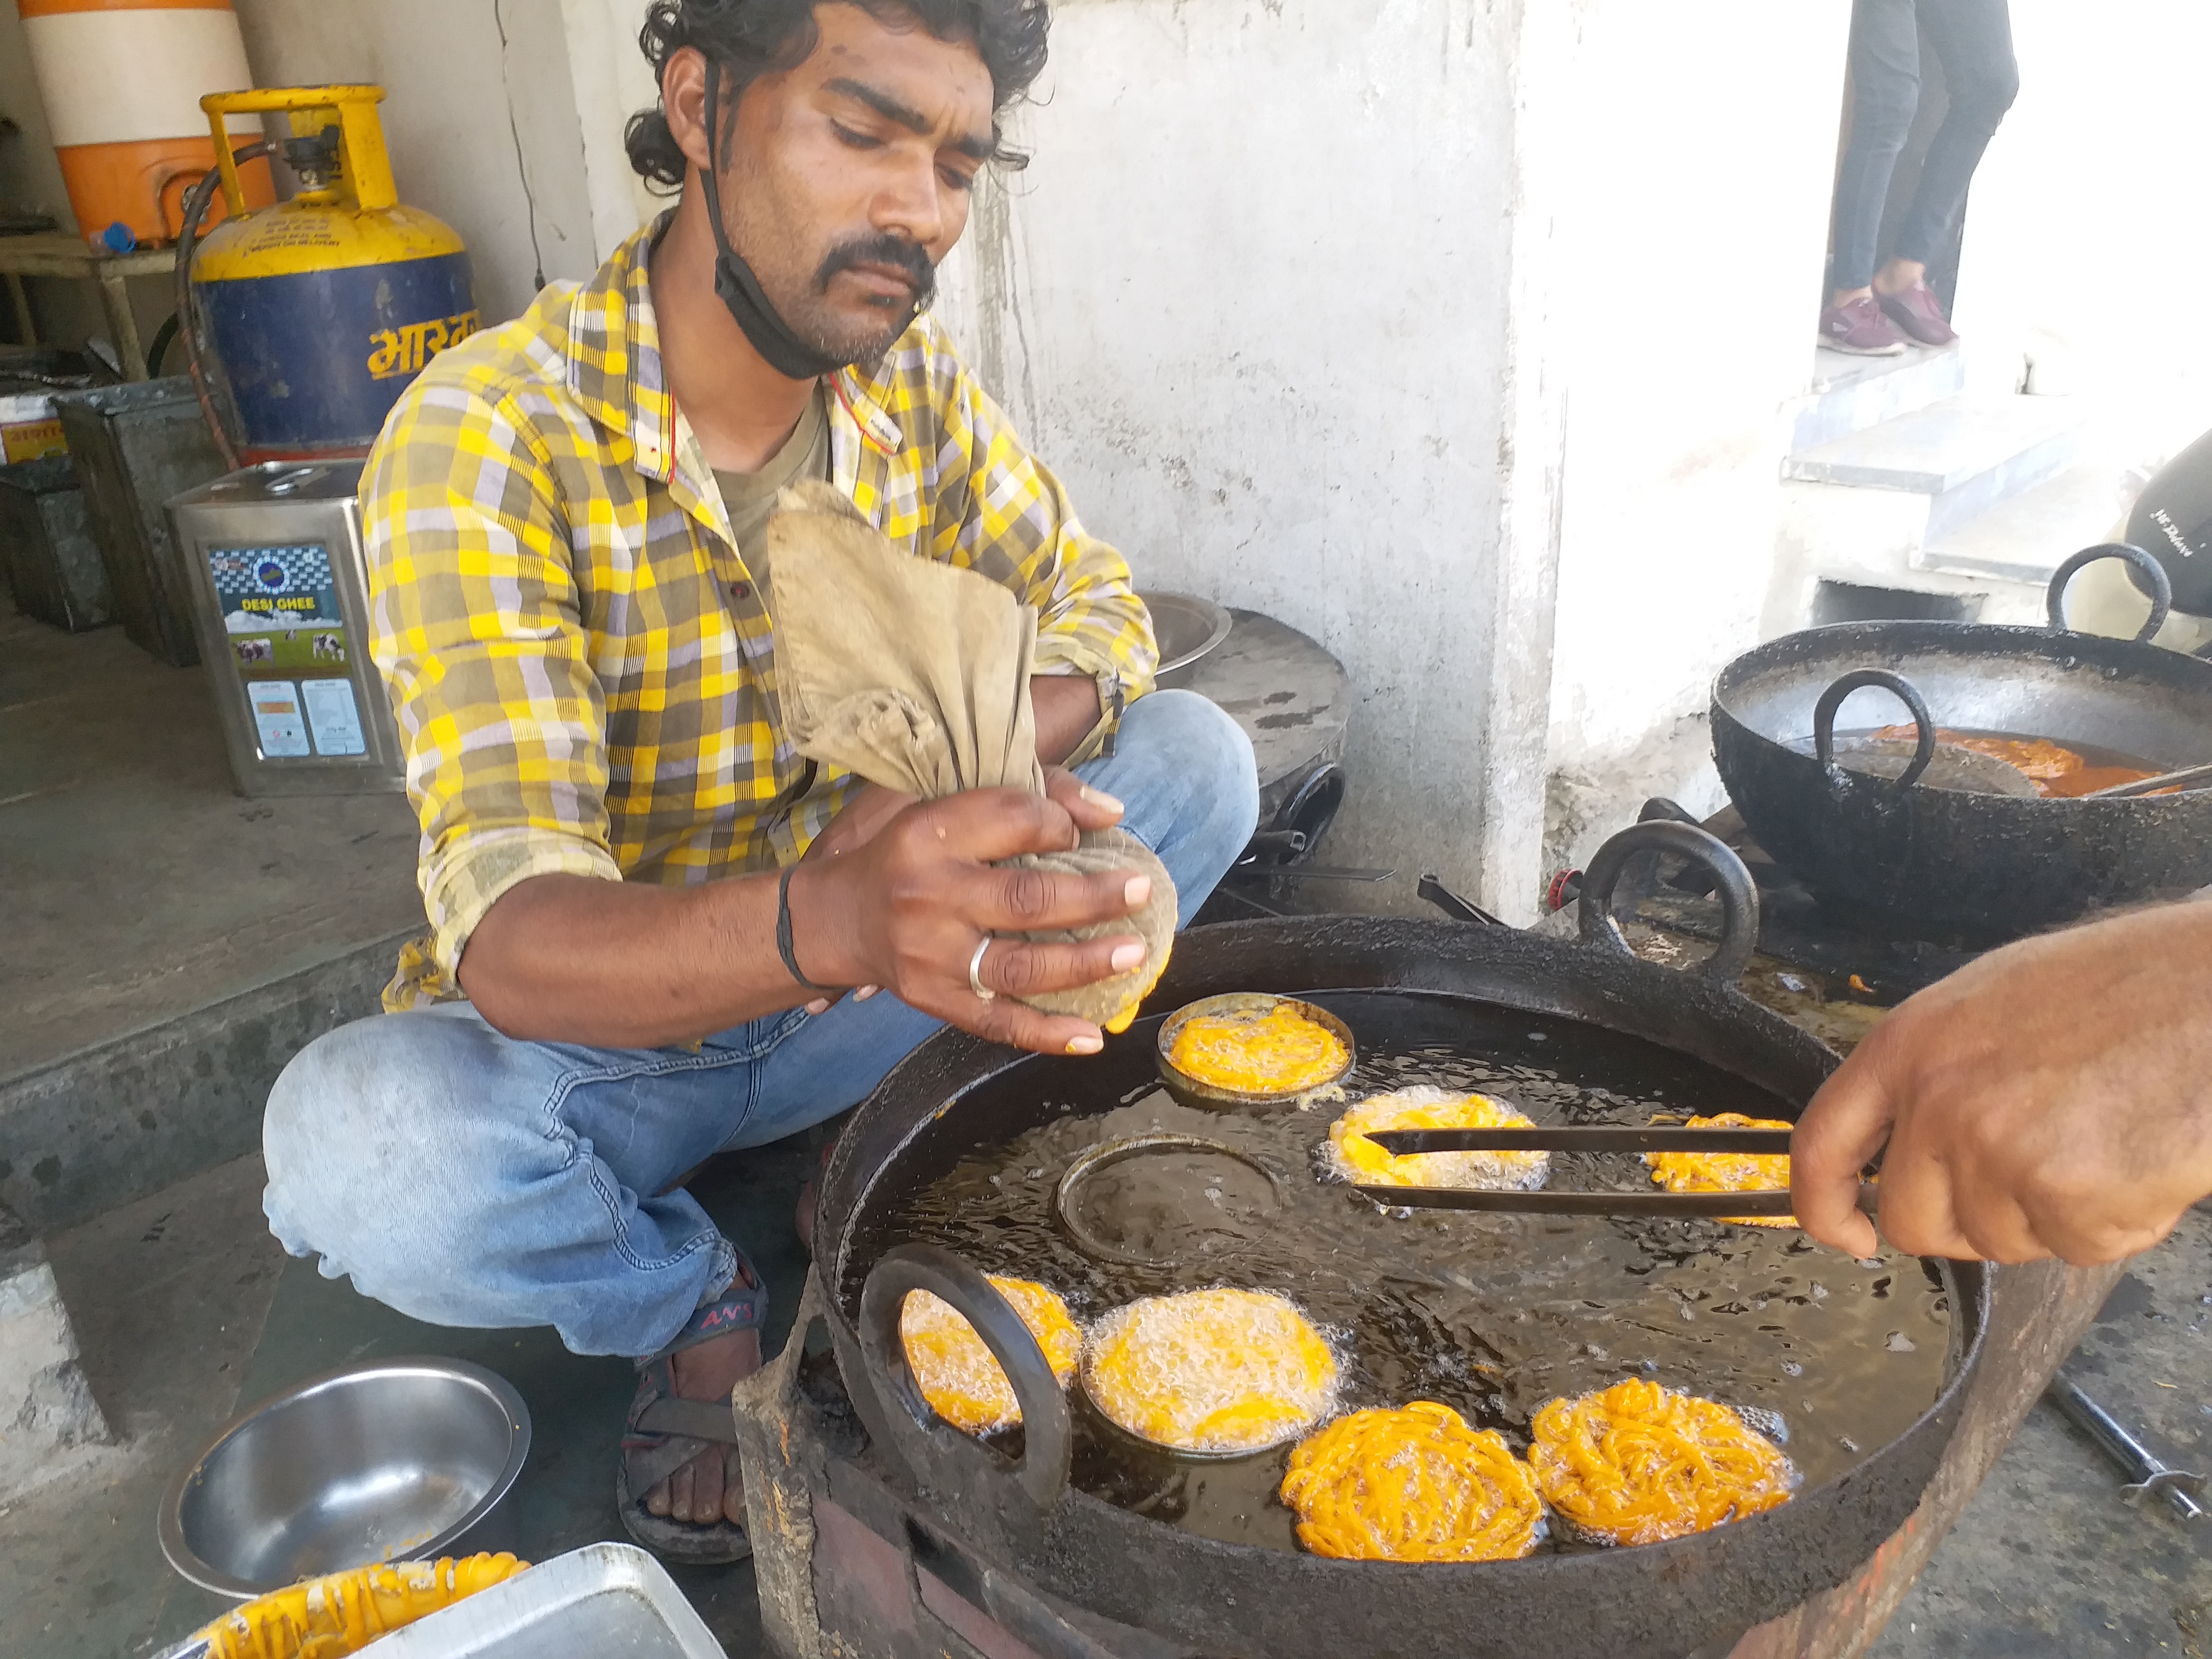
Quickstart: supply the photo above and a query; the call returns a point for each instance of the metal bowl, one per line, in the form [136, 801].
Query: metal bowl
[1187, 627]
[398, 1460]
[1201, 1096]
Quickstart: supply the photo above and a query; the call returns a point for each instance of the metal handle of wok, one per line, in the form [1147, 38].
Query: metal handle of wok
[1923, 723]
[2154, 573]
[1047, 1430]
[1739, 895]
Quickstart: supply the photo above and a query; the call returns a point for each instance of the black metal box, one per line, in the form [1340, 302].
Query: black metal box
[47, 554]
[135, 446]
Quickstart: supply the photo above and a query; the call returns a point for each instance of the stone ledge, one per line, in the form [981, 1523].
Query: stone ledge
[114, 1122]
[49, 1422]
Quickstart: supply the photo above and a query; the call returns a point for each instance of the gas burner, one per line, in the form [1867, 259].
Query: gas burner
[1878, 964]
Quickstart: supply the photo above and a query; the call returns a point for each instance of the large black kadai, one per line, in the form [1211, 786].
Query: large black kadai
[1028, 1523]
[1956, 863]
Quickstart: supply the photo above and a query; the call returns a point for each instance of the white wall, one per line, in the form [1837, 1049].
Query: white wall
[2086, 244]
[1249, 300]
[31, 177]
[451, 91]
[612, 82]
[1691, 218]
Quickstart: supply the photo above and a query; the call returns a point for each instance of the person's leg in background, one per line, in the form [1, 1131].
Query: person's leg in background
[1974, 41]
[1885, 59]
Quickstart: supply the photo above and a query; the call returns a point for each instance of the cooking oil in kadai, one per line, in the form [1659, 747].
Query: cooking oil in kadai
[1492, 1315]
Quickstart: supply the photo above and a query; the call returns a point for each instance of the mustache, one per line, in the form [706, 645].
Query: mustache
[884, 250]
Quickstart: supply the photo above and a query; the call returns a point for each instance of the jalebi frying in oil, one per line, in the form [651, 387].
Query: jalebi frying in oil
[963, 1383]
[1275, 1051]
[1426, 1107]
[1727, 1172]
[1637, 1462]
[1413, 1484]
[330, 1617]
[1218, 1370]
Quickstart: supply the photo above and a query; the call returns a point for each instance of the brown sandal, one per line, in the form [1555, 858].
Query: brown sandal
[663, 1433]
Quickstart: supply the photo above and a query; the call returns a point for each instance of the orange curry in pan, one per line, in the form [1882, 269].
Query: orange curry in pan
[2054, 771]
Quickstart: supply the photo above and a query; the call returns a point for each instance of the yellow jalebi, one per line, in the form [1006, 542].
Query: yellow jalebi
[1415, 1484]
[1425, 1107]
[1210, 1370]
[1727, 1172]
[1126, 1016]
[330, 1617]
[1277, 1051]
[963, 1384]
[1637, 1462]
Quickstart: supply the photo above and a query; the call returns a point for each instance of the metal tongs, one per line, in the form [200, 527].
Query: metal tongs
[1766, 1201]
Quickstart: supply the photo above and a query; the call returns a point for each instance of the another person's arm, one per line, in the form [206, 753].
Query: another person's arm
[2052, 1099]
[478, 634]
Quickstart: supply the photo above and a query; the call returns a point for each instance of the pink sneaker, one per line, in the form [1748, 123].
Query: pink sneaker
[1861, 328]
[1918, 313]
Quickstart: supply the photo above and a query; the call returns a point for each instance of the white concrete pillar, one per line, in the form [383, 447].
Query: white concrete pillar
[1687, 156]
[49, 1421]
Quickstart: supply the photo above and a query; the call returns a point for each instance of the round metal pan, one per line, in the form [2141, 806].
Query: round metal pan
[1197, 1093]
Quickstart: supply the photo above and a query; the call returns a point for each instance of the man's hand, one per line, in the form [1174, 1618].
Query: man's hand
[907, 907]
[859, 818]
[2053, 1098]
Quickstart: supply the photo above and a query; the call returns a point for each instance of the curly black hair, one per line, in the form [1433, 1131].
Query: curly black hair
[749, 37]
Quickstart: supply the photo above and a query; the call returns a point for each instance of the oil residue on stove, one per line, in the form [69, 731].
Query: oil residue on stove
[1491, 1315]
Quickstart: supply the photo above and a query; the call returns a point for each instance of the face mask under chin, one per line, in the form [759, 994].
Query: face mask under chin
[786, 350]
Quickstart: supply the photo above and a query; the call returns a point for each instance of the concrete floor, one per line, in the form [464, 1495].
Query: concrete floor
[2047, 1559]
[120, 825]
[187, 1308]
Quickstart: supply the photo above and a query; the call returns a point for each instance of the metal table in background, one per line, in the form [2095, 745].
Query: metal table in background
[52, 254]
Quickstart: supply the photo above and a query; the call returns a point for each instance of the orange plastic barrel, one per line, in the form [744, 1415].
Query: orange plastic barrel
[121, 81]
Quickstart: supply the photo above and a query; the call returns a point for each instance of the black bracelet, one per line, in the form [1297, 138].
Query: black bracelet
[783, 934]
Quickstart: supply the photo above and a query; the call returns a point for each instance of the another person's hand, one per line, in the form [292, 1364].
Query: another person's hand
[905, 906]
[2052, 1099]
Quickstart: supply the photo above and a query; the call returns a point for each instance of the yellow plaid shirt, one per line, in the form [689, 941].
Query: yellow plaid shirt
[583, 673]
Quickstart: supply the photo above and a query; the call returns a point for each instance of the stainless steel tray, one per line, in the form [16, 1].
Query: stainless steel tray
[601, 1599]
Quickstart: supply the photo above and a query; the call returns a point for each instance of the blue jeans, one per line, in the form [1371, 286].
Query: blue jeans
[468, 1178]
[1974, 41]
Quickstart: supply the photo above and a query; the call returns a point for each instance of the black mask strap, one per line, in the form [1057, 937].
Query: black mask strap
[740, 290]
